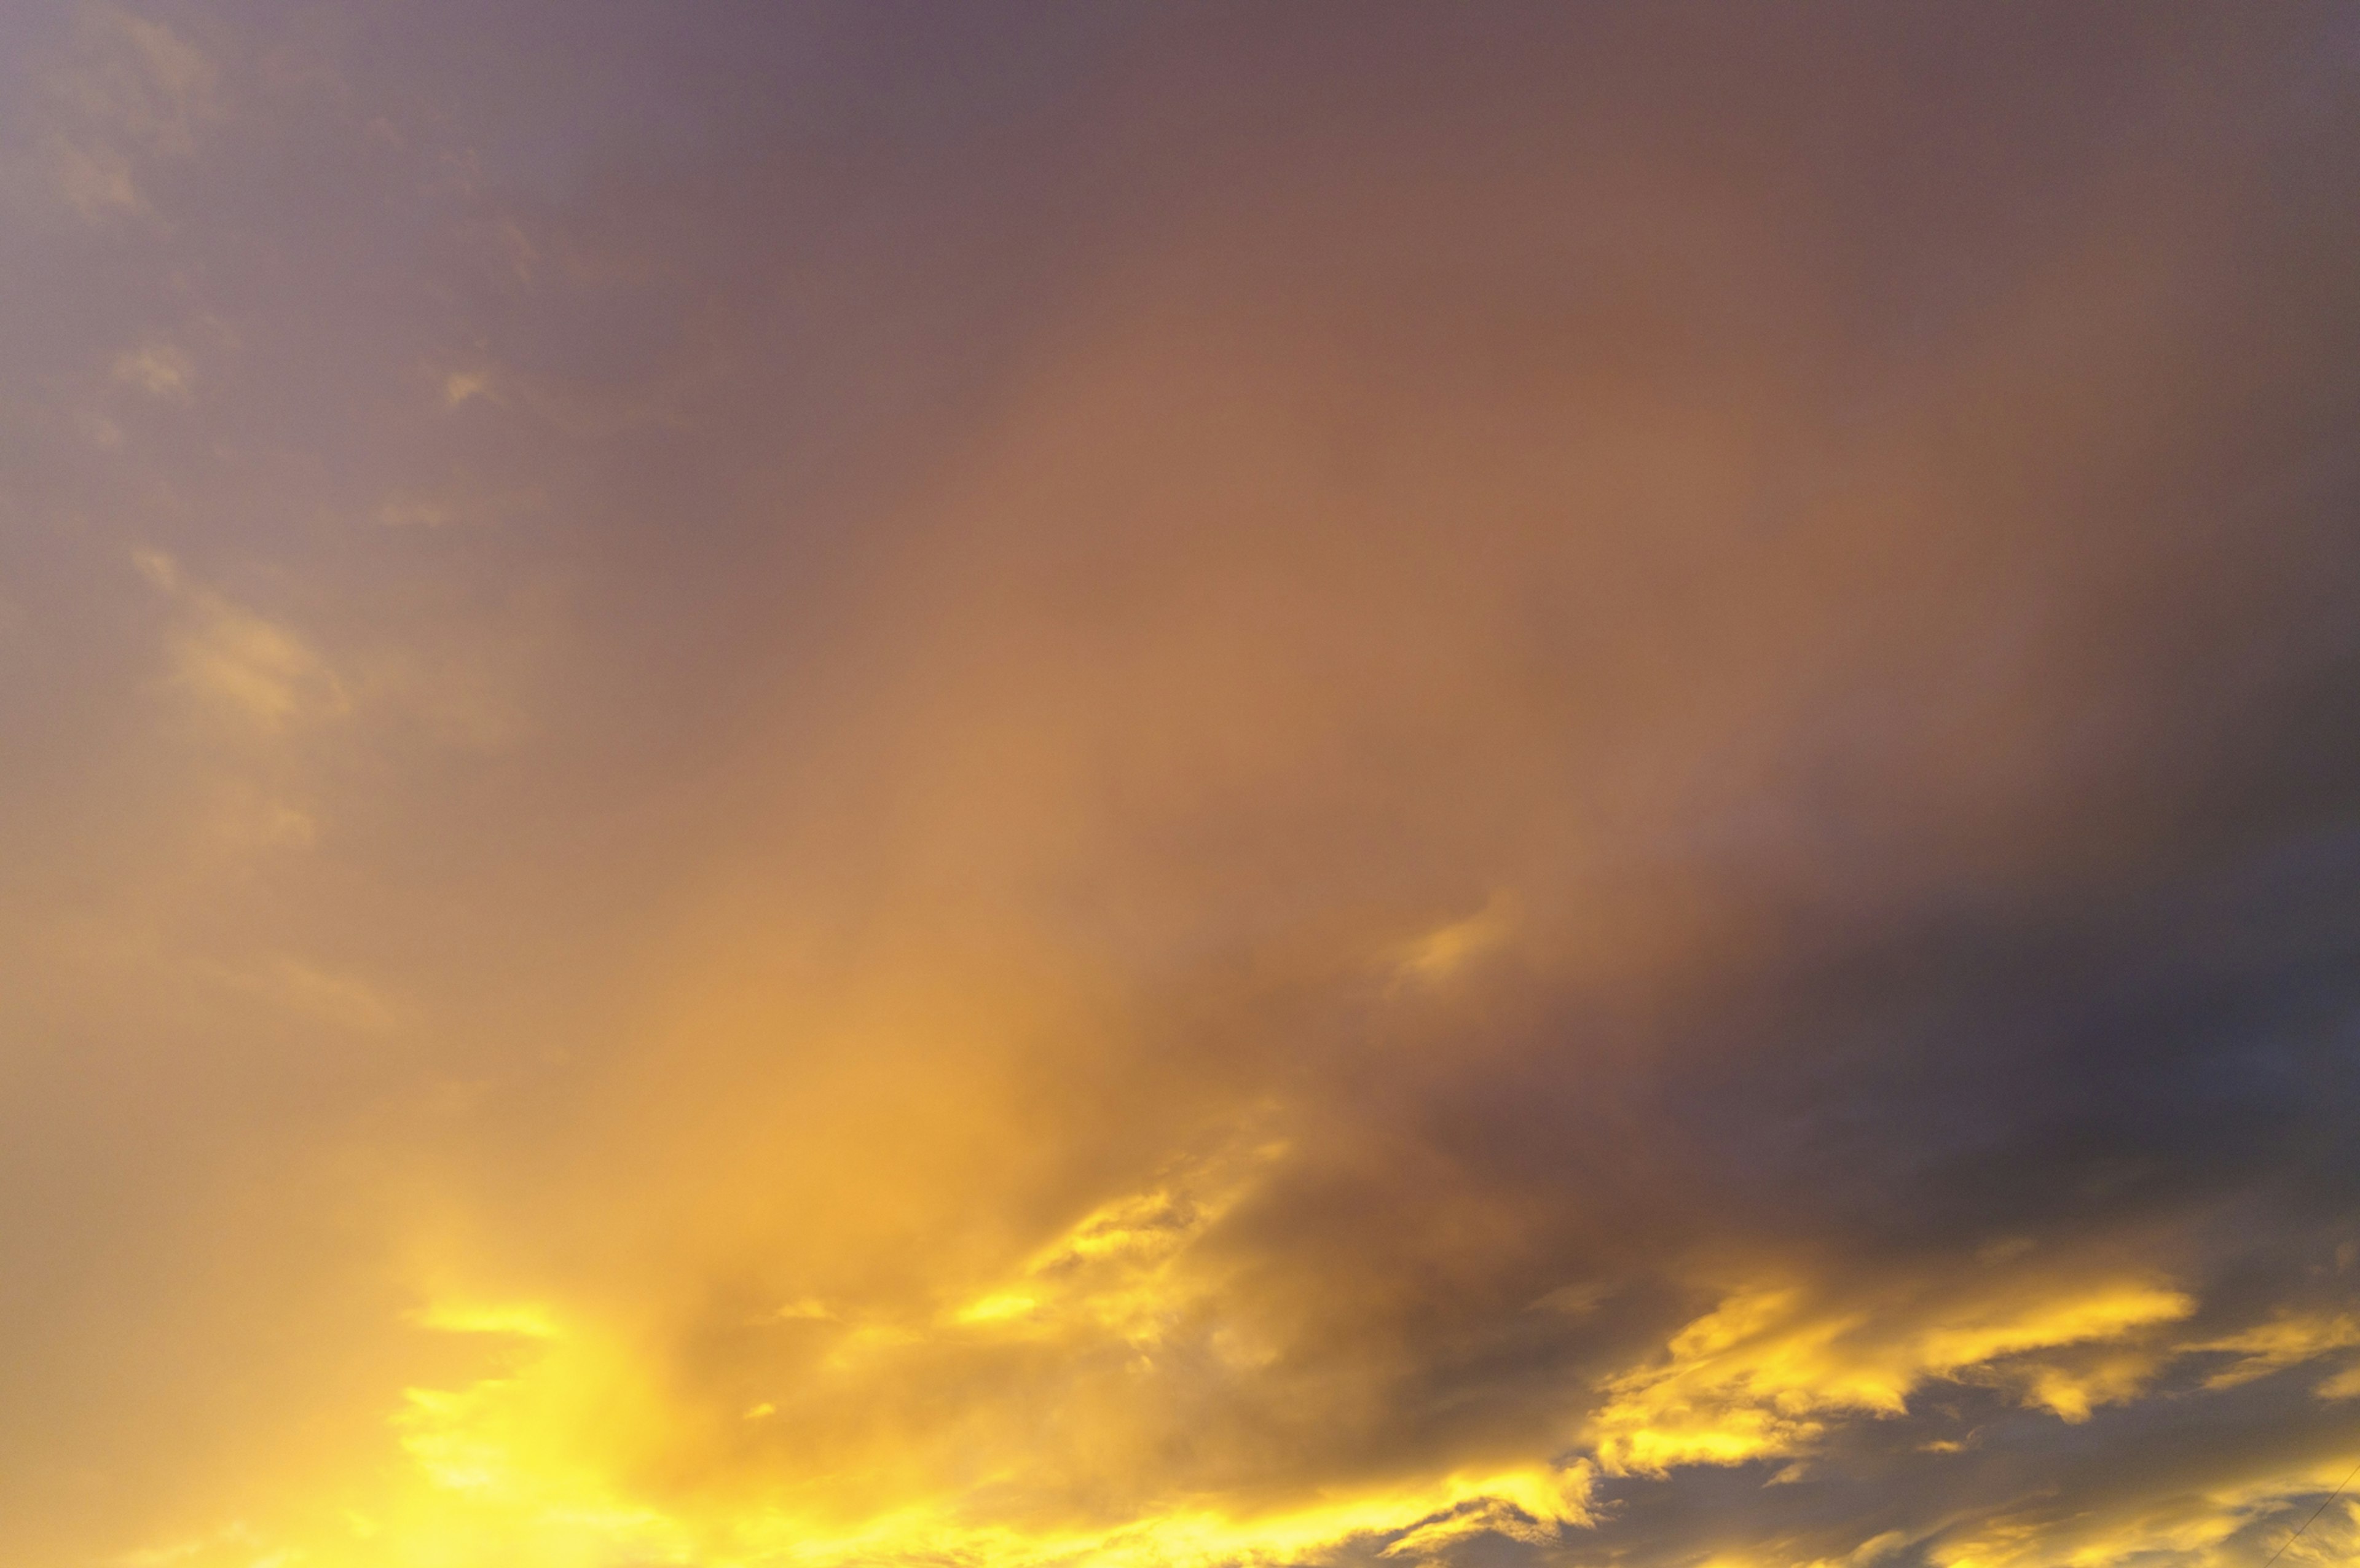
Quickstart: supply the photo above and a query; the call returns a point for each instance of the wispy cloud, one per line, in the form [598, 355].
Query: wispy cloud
[232, 661]
[128, 90]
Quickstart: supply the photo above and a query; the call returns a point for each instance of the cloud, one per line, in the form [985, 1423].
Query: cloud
[1762, 1375]
[342, 1001]
[159, 369]
[93, 179]
[129, 90]
[2287, 1340]
[1336, 789]
[234, 663]
[2213, 1528]
[240, 662]
[464, 386]
[1432, 958]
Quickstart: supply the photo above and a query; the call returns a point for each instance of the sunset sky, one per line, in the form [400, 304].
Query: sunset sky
[998, 785]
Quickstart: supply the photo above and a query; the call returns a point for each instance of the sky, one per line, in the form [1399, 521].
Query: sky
[998, 786]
